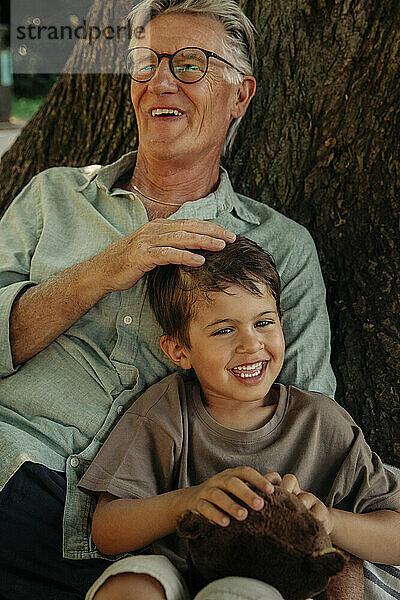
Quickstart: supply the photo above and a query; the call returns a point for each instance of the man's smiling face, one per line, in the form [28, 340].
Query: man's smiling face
[205, 109]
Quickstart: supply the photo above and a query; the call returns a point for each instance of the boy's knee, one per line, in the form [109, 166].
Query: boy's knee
[131, 586]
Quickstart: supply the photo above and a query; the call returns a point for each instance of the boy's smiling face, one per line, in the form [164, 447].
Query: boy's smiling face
[237, 347]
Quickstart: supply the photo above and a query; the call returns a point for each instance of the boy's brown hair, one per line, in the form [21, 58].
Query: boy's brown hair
[174, 290]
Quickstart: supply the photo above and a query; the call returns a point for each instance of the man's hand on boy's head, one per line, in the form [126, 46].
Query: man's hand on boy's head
[213, 498]
[159, 242]
[321, 512]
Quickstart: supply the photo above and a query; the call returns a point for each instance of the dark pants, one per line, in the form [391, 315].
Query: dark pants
[31, 562]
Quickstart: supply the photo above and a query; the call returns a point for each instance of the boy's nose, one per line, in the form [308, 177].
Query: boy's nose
[249, 343]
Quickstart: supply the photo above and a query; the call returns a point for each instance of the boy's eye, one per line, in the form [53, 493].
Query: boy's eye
[263, 323]
[223, 331]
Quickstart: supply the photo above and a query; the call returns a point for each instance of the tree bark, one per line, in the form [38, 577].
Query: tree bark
[320, 143]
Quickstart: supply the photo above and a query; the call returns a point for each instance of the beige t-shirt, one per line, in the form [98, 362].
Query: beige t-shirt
[167, 440]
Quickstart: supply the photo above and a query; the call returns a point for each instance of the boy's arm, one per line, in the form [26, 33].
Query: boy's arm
[126, 524]
[373, 536]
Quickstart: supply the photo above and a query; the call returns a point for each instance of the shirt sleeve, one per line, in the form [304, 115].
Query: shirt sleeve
[362, 483]
[136, 461]
[305, 320]
[19, 234]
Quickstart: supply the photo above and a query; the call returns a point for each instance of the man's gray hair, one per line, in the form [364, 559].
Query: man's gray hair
[238, 45]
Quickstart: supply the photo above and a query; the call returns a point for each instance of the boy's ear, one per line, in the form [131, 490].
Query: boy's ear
[175, 351]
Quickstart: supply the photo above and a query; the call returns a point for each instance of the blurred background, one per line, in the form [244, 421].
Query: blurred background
[20, 94]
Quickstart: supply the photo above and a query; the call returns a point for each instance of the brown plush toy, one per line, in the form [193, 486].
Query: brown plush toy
[282, 544]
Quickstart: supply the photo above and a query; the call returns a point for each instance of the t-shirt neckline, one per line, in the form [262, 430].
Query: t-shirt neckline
[237, 434]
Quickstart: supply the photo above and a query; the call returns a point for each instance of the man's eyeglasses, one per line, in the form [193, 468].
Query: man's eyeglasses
[188, 65]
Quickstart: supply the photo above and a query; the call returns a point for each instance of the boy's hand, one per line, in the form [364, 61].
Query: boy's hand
[212, 500]
[319, 510]
[273, 477]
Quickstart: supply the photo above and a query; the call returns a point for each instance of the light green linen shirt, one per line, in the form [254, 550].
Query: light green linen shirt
[58, 407]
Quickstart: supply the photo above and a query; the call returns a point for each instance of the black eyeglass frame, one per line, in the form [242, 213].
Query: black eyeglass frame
[170, 57]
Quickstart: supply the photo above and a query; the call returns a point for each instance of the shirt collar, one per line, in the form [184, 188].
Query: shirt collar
[209, 207]
[106, 176]
[223, 199]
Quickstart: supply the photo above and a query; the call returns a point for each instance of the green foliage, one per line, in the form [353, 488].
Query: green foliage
[23, 109]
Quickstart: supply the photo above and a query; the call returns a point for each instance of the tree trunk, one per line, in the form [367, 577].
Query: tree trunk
[320, 143]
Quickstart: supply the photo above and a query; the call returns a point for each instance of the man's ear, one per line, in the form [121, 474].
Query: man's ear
[175, 351]
[247, 89]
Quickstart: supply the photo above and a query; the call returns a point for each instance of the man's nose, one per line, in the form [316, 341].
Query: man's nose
[163, 79]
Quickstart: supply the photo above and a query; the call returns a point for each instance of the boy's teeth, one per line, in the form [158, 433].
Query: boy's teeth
[165, 111]
[247, 375]
[246, 371]
[248, 367]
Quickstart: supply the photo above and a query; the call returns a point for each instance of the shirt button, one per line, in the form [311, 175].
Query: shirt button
[127, 320]
[120, 410]
[74, 461]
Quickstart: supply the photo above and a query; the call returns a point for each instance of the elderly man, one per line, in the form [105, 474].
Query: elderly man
[78, 340]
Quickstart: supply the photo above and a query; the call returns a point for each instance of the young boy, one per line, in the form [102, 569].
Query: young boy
[189, 440]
